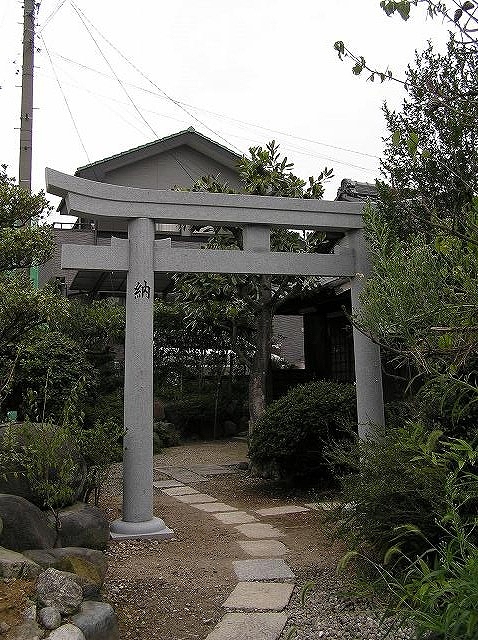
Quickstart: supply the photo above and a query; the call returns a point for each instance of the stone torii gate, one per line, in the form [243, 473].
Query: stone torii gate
[141, 255]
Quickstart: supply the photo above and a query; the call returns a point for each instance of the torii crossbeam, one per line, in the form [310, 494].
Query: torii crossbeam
[141, 255]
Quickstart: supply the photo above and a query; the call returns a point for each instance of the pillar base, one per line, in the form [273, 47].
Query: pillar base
[150, 529]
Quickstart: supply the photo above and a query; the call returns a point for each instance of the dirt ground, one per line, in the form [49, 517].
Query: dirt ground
[174, 590]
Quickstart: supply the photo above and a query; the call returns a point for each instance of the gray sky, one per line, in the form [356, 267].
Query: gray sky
[249, 71]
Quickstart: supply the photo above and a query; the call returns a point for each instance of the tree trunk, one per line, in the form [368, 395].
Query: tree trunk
[260, 370]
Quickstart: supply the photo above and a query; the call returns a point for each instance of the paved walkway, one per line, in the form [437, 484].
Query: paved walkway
[254, 610]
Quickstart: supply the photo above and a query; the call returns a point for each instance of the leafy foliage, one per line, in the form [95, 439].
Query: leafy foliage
[398, 486]
[290, 439]
[100, 446]
[22, 245]
[252, 300]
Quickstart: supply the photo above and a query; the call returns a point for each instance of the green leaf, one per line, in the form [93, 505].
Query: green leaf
[396, 137]
[306, 589]
[403, 9]
[340, 48]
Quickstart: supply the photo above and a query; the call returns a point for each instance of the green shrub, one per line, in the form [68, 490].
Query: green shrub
[436, 592]
[289, 441]
[392, 486]
[167, 434]
[194, 414]
[48, 458]
[101, 446]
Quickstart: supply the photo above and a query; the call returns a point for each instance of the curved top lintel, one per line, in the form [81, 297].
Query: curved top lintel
[86, 198]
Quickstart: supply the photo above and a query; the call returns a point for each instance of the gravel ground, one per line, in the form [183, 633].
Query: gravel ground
[174, 590]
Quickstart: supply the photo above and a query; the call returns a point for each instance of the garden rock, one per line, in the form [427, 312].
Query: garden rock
[24, 525]
[57, 589]
[83, 525]
[86, 563]
[49, 617]
[28, 630]
[16, 565]
[97, 620]
[67, 632]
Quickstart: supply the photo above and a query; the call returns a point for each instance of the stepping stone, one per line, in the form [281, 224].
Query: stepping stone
[181, 474]
[167, 484]
[279, 511]
[264, 569]
[211, 470]
[195, 498]
[259, 530]
[263, 548]
[271, 596]
[235, 517]
[249, 626]
[215, 507]
[323, 506]
[180, 491]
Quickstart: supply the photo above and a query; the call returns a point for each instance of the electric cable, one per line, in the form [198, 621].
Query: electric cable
[223, 116]
[52, 15]
[66, 100]
[173, 100]
[113, 71]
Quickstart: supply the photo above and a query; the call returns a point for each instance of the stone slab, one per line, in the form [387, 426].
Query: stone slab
[249, 626]
[196, 498]
[183, 490]
[262, 596]
[211, 470]
[259, 530]
[263, 548]
[215, 507]
[181, 474]
[167, 484]
[323, 506]
[262, 569]
[235, 517]
[279, 511]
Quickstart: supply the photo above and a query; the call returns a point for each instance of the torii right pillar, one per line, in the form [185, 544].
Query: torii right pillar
[368, 366]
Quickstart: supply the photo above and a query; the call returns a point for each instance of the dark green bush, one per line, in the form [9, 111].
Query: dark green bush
[289, 441]
[194, 414]
[394, 486]
[166, 435]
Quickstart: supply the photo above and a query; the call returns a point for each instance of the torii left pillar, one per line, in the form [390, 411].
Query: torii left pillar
[138, 520]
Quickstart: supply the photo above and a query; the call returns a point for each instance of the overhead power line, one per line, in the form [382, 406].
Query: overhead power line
[52, 15]
[223, 116]
[143, 75]
[66, 100]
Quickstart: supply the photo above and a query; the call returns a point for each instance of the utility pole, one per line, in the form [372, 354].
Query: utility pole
[26, 115]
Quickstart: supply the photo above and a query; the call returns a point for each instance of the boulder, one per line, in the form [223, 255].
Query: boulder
[66, 632]
[87, 567]
[28, 630]
[57, 589]
[16, 565]
[24, 525]
[83, 525]
[97, 620]
[49, 617]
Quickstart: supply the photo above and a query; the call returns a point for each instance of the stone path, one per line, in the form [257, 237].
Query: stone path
[254, 609]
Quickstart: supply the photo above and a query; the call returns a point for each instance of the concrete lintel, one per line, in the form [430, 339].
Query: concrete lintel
[86, 198]
[94, 258]
[259, 262]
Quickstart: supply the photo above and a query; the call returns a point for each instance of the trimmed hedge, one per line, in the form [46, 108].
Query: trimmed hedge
[289, 441]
